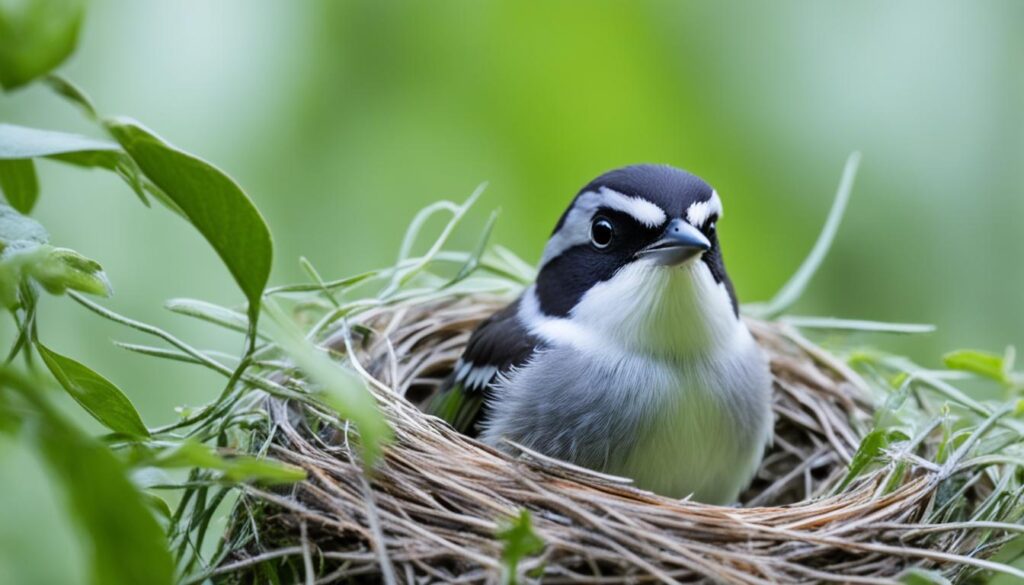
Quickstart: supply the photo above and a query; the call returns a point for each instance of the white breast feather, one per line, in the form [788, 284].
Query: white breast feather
[651, 377]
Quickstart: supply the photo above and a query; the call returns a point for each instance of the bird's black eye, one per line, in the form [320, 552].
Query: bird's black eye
[709, 228]
[601, 232]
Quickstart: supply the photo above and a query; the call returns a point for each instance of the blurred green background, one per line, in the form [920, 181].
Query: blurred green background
[342, 119]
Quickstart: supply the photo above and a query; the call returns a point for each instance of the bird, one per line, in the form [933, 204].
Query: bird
[627, 355]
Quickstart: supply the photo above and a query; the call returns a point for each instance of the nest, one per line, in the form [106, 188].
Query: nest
[431, 508]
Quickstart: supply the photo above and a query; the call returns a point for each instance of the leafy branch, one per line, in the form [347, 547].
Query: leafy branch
[35, 37]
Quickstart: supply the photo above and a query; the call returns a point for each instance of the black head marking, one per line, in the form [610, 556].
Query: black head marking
[671, 189]
[567, 276]
[565, 279]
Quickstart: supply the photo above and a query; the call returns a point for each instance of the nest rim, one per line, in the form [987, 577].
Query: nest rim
[431, 507]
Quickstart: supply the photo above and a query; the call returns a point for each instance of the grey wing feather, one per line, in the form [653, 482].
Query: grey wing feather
[499, 344]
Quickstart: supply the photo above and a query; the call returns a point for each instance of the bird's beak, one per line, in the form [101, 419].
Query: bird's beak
[680, 242]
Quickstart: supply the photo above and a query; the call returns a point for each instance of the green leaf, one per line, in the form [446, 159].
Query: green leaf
[211, 201]
[126, 544]
[20, 142]
[473, 262]
[74, 94]
[18, 232]
[160, 506]
[97, 395]
[834, 324]
[988, 365]
[24, 252]
[916, 576]
[35, 37]
[11, 276]
[896, 479]
[111, 157]
[339, 388]
[236, 468]
[19, 184]
[209, 312]
[60, 269]
[870, 448]
[898, 380]
[21, 240]
[520, 541]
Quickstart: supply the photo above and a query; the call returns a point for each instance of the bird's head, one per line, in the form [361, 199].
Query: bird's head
[637, 245]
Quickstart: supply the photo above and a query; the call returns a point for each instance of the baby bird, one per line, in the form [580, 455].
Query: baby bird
[627, 355]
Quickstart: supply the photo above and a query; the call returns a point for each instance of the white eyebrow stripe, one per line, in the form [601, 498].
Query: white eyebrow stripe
[641, 210]
[699, 212]
[576, 228]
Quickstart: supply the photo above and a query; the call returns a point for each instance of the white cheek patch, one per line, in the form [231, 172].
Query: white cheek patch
[551, 329]
[699, 213]
[576, 228]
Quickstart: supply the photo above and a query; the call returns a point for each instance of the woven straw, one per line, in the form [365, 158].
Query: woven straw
[429, 510]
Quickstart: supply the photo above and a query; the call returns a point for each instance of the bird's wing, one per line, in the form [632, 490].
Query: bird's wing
[499, 344]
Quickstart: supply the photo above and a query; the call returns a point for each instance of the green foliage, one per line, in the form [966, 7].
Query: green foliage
[223, 442]
[19, 233]
[520, 541]
[869, 450]
[210, 313]
[22, 143]
[236, 468]
[988, 365]
[211, 201]
[922, 577]
[924, 419]
[338, 387]
[97, 395]
[19, 144]
[214, 204]
[19, 184]
[35, 37]
[127, 544]
[74, 94]
[979, 362]
[60, 269]
[24, 253]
